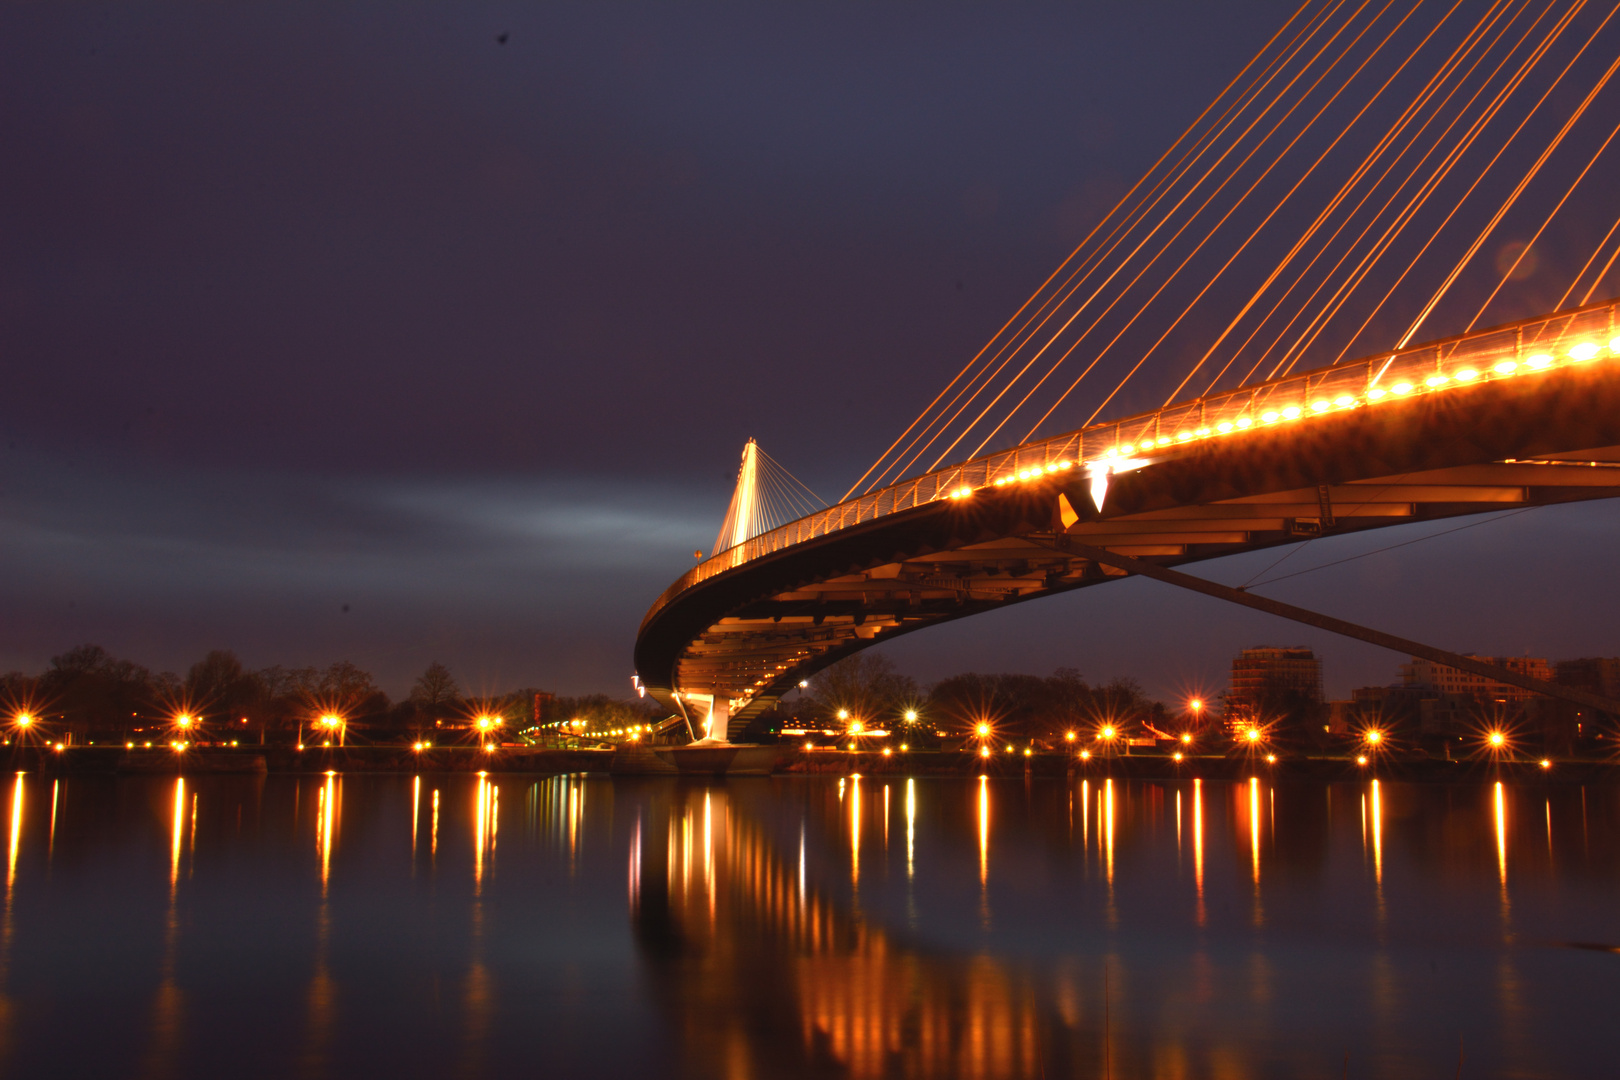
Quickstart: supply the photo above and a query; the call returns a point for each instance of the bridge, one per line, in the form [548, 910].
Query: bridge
[1522, 414]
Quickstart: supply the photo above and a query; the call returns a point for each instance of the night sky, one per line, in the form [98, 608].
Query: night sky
[398, 333]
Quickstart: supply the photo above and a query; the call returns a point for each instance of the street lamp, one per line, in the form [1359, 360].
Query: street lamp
[333, 723]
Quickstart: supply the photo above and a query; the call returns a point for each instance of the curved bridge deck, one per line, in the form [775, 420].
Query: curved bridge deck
[1522, 415]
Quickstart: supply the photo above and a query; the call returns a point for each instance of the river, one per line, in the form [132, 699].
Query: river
[571, 926]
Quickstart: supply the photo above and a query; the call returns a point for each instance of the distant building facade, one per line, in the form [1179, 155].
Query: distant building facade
[1271, 680]
[1599, 674]
[1426, 675]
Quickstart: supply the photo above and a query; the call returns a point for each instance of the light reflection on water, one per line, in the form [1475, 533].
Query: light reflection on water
[301, 926]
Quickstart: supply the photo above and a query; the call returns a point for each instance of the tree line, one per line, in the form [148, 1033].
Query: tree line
[89, 693]
[868, 688]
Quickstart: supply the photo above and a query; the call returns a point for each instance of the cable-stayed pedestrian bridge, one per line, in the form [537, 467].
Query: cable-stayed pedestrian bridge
[1373, 171]
[1517, 416]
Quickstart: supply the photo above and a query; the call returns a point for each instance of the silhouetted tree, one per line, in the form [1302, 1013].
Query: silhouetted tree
[867, 685]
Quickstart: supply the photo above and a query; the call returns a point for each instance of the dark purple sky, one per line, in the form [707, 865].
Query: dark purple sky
[354, 333]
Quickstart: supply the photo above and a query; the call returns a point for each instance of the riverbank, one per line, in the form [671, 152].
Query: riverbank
[794, 761]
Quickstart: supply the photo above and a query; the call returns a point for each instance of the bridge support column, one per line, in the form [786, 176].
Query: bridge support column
[719, 719]
[716, 712]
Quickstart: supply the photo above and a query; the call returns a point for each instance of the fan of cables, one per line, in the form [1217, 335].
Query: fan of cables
[767, 496]
[1379, 166]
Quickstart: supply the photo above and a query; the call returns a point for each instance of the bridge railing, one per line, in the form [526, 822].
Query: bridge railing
[1517, 350]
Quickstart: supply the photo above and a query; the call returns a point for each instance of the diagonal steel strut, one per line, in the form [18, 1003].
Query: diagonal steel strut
[1338, 626]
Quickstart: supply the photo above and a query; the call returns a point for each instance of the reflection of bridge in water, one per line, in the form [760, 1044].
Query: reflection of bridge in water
[767, 976]
[764, 966]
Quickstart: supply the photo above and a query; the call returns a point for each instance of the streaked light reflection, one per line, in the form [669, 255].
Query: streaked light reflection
[1377, 834]
[1198, 846]
[16, 832]
[855, 832]
[1108, 828]
[1501, 833]
[911, 831]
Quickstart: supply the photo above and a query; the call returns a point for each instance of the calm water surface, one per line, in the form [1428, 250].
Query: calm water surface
[447, 925]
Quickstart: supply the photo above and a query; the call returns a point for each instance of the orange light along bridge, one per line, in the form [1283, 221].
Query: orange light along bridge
[1521, 415]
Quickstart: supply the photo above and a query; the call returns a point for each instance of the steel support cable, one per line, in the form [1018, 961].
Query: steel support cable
[1264, 222]
[1047, 309]
[1590, 259]
[1345, 288]
[1165, 218]
[1483, 122]
[1413, 109]
[1437, 82]
[1209, 140]
[1343, 291]
[1163, 248]
[1192, 218]
[1465, 143]
[1543, 228]
[1106, 218]
[1518, 190]
[1065, 292]
[1606, 266]
[1208, 236]
[1390, 547]
[1333, 203]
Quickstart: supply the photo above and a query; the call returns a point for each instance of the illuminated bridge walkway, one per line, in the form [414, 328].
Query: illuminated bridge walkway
[1521, 415]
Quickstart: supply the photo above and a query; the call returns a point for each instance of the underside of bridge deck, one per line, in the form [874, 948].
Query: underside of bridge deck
[751, 633]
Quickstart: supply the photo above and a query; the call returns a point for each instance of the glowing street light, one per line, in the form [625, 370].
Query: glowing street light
[983, 731]
[1253, 734]
[332, 722]
[1107, 732]
[911, 716]
[1186, 738]
[1373, 737]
